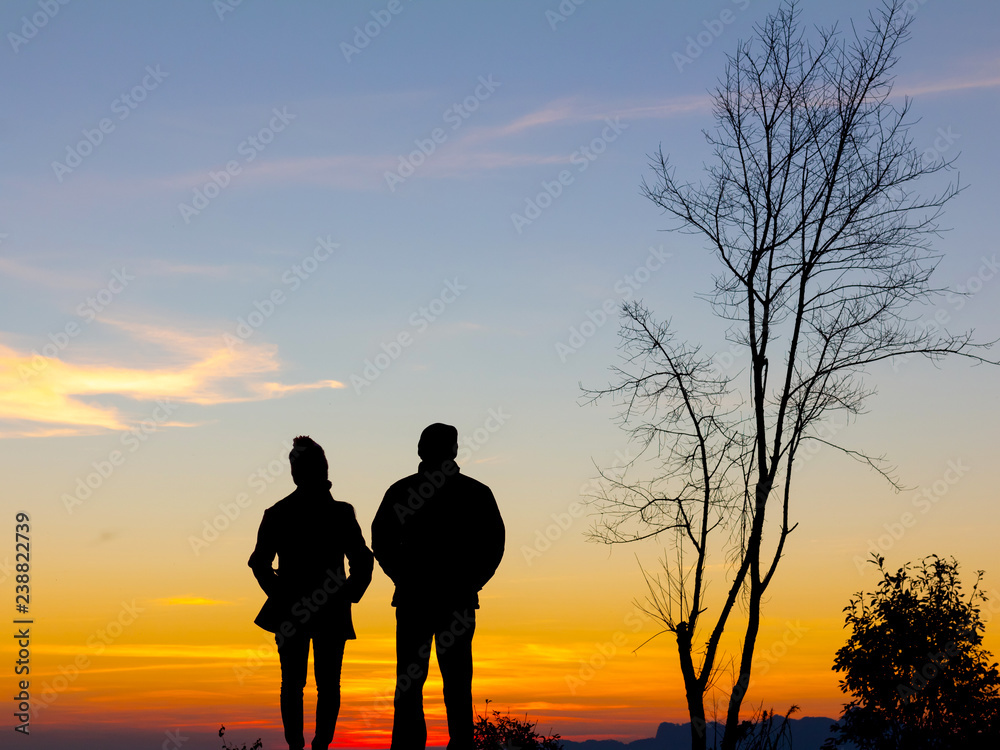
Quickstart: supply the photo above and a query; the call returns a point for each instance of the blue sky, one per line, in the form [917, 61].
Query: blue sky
[324, 173]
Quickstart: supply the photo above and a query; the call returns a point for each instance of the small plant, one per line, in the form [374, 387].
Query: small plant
[226, 746]
[766, 731]
[503, 732]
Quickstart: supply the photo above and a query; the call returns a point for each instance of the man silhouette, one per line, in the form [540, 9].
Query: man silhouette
[439, 536]
[309, 596]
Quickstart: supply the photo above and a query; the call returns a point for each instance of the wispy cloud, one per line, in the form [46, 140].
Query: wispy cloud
[59, 397]
[948, 86]
[560, 111]
[575, 110]
[486, 147]
[477, 148]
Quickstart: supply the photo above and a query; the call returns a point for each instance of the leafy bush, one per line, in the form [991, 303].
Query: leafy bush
[915, 665]
[504, 731]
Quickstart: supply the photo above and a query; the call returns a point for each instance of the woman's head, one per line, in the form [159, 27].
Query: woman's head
[308, 461]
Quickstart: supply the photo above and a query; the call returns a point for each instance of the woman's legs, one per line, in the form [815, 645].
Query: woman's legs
[328, 661]
[293, 653]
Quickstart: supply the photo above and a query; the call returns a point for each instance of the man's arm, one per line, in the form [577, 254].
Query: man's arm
[263, 555]
[359, 558]
[491, 539]
[387, 537]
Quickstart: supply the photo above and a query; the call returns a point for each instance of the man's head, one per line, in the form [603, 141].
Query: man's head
[438, 443]
[308, 461]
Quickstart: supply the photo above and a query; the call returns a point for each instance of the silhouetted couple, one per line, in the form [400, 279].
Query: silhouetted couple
[437, 534]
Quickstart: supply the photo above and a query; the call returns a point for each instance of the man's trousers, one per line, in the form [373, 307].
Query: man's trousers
[452, 631]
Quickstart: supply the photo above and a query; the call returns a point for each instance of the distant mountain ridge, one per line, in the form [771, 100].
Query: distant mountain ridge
[808, 733]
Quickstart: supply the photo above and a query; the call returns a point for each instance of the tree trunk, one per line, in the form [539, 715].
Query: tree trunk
[694, 688]
[742, 683]
[699, 729]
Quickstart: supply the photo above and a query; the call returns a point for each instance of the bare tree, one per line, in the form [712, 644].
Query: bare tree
[824, 249]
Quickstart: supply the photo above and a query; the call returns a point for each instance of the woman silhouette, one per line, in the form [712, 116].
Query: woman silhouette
[309, 596]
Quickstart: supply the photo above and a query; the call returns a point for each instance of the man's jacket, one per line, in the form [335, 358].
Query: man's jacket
[439, 536]
[310, 592]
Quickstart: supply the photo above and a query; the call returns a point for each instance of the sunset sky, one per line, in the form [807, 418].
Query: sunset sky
[226, 224]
